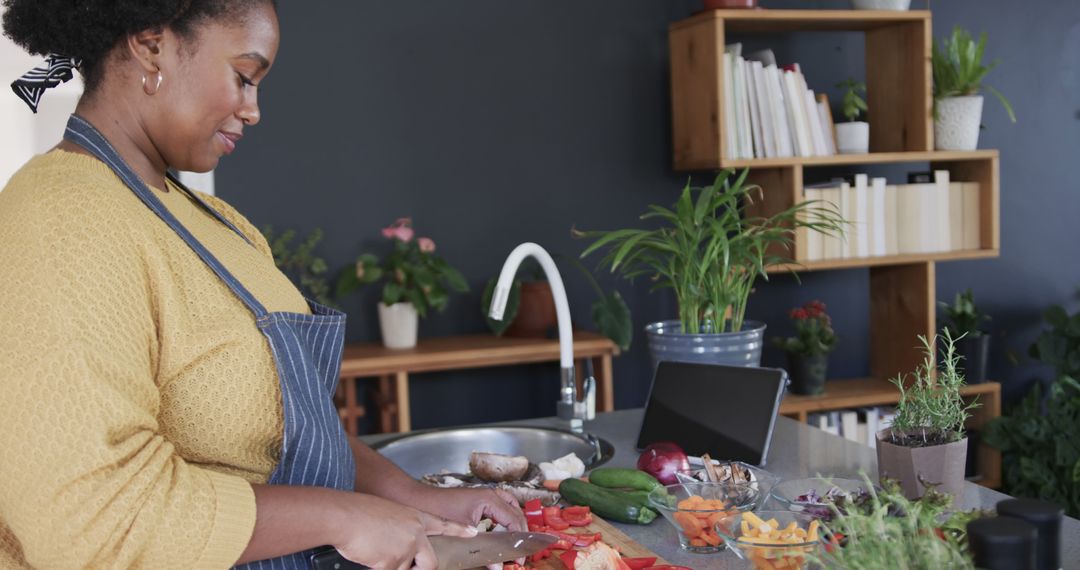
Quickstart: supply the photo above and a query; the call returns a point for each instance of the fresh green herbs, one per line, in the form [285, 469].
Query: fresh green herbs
[931, 410]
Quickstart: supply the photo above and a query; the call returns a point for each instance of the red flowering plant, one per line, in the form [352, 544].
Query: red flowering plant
[813, 331]
[412, 271]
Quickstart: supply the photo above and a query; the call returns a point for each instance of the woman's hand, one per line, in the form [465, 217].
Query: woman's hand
[469, 506]
[383, 534]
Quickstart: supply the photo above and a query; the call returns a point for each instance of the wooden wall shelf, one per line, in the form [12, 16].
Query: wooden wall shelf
[899, 79]
[392, 368]
[866, 392]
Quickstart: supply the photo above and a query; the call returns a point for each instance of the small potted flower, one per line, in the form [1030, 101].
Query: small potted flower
[958, 81]
[416, 280]
[964, 324]
[808, 351]
[853, 137]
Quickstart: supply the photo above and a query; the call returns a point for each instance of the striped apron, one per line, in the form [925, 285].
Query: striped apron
[306, 350]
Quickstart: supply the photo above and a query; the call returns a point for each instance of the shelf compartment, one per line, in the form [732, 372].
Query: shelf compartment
[805, 20]
[856, 262]
[935, 156]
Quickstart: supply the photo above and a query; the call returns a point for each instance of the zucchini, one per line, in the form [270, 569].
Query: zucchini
[607, 503]
[623, 478]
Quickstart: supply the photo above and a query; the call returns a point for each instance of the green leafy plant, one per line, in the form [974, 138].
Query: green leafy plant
[883, 525]
[1041, 446]
[709, 250]
[610, 313]
[964, 317]
[301, 265]
[852, 104]
[412, 271]
[813, 331]
[931, 410]
[959, 69]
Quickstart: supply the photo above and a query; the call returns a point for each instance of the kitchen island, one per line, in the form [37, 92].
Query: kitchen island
[797, 451]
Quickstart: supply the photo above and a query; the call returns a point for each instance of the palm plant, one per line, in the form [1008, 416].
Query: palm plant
[709, 250]
[959, 69]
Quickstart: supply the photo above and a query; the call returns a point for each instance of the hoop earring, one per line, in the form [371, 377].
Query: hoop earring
[157, 84]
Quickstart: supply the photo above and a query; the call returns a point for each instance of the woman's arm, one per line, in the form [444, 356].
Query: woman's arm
[364, 528]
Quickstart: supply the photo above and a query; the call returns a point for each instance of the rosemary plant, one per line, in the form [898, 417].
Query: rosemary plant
[931, 410]
[709, 250]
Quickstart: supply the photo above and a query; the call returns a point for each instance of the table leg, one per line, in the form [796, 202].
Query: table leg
[401, 395]
[387, 406]
[605, 397]
[352, 418]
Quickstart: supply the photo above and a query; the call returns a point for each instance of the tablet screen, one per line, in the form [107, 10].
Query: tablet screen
[725, 411]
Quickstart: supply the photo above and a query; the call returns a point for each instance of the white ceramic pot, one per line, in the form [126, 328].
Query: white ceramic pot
[398, 323]
[957, 124]
[881, 4]
[853, 137]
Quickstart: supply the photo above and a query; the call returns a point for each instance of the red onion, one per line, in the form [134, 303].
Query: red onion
[662, 460]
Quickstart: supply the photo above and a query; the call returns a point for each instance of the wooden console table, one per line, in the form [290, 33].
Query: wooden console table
[865, 392]
[393, 366]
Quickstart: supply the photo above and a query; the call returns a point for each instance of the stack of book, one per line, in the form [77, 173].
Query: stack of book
[884, 219]
[859, 425]
[769, 112]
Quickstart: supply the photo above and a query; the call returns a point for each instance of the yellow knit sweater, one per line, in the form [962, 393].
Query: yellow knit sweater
[138, 399]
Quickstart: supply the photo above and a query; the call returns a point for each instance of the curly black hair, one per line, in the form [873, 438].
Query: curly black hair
[89, 29]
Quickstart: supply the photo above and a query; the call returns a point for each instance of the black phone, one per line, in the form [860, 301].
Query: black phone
[328, 558]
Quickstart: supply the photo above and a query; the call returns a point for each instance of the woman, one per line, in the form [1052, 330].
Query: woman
[164, 390]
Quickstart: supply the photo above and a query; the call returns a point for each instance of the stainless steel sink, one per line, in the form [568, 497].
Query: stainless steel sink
[430, 452]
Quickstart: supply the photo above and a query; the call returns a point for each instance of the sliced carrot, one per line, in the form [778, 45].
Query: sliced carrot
[710, 538]
[552, 484]
[690, 524]
[715, 518]
[698, 542]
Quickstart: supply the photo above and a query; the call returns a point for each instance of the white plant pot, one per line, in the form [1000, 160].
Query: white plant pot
[853, 137]
[881, 4]
[957, 124]
[398, 323]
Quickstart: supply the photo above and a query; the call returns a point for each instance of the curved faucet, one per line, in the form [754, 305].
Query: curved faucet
[567, 406]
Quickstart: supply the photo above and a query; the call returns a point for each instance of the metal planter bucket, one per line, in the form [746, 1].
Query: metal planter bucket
[743, 348]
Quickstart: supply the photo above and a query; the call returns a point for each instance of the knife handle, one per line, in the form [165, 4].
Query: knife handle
[328, 558]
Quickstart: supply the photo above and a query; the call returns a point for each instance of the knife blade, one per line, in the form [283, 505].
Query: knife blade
[457, 553]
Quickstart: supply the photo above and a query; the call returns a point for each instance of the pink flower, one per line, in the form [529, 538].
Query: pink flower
[426, 245]
[400, 230]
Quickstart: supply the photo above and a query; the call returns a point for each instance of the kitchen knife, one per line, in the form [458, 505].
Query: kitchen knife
[456, 553]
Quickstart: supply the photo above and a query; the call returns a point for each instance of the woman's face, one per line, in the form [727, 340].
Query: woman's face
[200, 112]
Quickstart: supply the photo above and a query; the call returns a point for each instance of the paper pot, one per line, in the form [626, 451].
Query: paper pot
[853, 137]
[957, 124]
[881, 4]
[398, 324]
[910, 466]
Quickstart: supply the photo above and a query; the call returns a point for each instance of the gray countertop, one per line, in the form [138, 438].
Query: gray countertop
[798, 450]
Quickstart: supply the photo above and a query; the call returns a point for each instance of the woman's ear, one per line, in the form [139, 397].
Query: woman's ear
[146, 47]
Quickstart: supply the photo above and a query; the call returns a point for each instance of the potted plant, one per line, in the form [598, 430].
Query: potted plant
[926, 445]
[853, 137]
[1038, 439]
[301, 265]
[709, 251]
[808, 351]
[973, 343]
[958, 76]
[417, 280]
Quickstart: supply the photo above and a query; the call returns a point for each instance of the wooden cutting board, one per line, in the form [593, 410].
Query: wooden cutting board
[612, 536]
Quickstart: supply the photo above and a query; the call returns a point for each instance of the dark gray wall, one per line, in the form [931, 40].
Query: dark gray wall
[492, 123]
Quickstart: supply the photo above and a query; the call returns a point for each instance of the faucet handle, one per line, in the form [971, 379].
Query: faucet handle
[586, 408]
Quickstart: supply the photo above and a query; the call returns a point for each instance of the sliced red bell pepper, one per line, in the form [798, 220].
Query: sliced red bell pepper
[577, 516]
[583, 540]
[553, 518]
[534, 512]
[538, 556]
[569, 558]
[639, 563]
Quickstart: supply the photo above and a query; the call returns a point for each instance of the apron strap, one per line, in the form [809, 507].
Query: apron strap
[209, 209]
[82, 133]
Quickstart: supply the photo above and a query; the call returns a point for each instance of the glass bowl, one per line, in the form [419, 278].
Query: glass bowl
[694, 509]
[799, 533]
[830, 490]
[762, 480]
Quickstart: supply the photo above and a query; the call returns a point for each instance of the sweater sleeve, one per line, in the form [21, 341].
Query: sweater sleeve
[86, 479]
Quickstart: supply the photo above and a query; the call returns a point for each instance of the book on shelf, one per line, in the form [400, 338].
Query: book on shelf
[883, 219]
[770, 111]
[859, 425]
